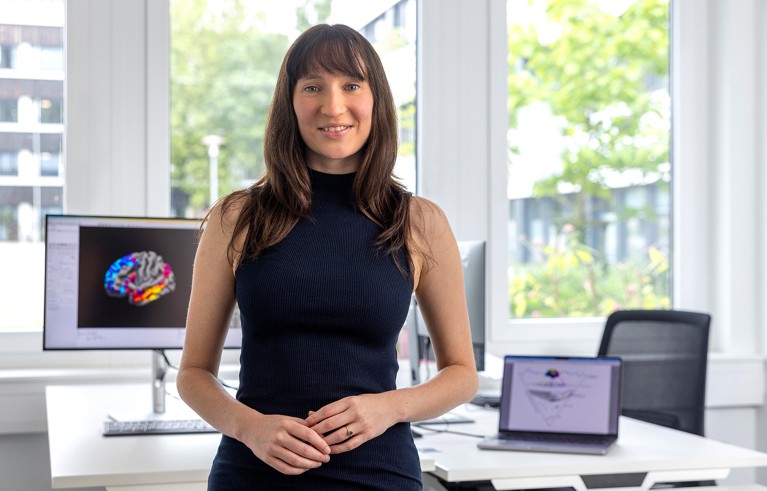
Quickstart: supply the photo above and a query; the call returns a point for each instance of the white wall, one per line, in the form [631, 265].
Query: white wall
[117, 117]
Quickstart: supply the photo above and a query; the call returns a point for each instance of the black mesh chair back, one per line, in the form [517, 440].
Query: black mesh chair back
[664, 354]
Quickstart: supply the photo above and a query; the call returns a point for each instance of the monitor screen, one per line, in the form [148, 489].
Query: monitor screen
[119, 283]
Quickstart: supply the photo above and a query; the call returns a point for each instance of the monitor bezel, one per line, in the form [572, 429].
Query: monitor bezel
[231, 342]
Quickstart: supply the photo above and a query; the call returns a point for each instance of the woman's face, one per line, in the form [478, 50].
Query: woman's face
[334, 114]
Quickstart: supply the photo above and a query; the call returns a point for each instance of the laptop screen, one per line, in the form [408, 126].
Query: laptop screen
[560, 394]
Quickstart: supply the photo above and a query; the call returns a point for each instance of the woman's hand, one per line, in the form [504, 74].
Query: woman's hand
[349, 422]
[287, 444]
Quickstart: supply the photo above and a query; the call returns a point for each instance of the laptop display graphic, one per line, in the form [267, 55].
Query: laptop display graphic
[558, 404]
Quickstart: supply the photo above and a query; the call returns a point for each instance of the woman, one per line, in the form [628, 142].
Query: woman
[321, 256]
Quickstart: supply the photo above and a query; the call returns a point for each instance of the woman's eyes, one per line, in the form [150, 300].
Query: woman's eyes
[349, 87]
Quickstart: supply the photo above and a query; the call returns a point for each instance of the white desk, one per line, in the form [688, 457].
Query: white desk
[81, 456]
[644, 453]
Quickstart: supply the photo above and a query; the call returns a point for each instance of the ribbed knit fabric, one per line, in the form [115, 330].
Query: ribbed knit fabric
[321, 312]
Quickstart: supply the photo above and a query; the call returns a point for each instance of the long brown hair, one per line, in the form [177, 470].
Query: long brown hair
[271, 207]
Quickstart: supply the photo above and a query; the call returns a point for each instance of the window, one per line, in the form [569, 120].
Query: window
[225, 56]
[588, 155]
[52, 58]
[712, 109]
[9, 112]
[49, 164]
[6, 56]
[31, 184]
[51, 111]
[9, 164]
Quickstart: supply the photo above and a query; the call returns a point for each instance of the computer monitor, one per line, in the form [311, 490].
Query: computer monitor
[419, 345]
[120, 283]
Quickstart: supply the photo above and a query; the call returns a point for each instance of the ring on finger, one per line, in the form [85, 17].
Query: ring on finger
[349, 432]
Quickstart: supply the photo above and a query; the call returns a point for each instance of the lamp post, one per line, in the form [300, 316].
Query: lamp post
[213, 142]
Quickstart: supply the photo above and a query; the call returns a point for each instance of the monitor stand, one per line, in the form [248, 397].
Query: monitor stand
[174, 409]
[159, 369]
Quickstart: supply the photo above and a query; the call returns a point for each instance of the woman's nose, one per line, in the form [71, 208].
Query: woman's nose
[333, 104]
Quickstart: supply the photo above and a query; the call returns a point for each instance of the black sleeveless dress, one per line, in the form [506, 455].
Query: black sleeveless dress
[321, 312]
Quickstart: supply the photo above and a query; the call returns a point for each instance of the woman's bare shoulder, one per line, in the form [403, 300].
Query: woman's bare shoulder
[226, 212]
[429, 232]
[221, 225]
[427, 218]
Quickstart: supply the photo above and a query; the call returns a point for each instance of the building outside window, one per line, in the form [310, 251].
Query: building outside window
[31, 136]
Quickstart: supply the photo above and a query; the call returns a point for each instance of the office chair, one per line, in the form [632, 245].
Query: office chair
[665, 353]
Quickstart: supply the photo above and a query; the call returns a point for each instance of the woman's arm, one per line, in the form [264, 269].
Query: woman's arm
[285, 443]
[439, 288]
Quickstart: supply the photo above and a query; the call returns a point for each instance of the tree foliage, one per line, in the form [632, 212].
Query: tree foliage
[598, 76]
[570, 281]
[604, 77]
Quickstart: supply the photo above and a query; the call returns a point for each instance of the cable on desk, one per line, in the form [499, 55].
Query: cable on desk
[427, 351]
[174, 367]
[446, 430]
[486, 402]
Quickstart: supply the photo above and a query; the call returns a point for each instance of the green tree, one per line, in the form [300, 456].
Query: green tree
[312, 12]
[599, 73]
[570, 282]
[599, 77]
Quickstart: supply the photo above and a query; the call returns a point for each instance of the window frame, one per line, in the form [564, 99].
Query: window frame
[581, 335]
[120, 88]
[474, 197]
[703, 175]
[466, 176]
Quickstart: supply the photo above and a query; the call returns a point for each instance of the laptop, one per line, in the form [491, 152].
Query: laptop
[558, 404]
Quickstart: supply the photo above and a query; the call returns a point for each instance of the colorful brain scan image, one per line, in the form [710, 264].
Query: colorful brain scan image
[553, 373]
[142, 277]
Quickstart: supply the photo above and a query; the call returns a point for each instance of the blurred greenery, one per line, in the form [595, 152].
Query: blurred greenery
[603, 76]
[569, 281]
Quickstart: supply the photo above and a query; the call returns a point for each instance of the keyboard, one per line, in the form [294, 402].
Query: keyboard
[487, 401]
[157, 427]
[445, 419]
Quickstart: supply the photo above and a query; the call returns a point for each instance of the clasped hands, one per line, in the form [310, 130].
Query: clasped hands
[294, 445]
